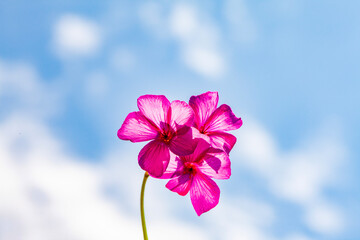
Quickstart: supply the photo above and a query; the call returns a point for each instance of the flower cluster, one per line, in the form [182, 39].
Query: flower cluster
[189, 143]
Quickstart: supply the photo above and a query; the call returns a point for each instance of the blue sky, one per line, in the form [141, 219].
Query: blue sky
[70, 72]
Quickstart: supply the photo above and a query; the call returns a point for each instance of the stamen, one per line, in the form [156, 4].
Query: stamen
[166, 137]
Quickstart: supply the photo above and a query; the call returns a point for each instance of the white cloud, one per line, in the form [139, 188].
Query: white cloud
[258, 149]
[75, 36]
[48, 194]
[165, 230]
[307, 171]
[198, 39]
[197, 36]
[242, 217]
[184, 21]
[205, 61]
[324, 218]
[20, 84]
[300, 176]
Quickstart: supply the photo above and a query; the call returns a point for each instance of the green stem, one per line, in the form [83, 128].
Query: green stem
[146, 175]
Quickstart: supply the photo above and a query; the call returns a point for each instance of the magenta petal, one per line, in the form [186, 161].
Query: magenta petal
[204, 193]
[203, 105]
[222, 140]
[181, 184]
[154, 158]
[183, 143]
[175, 167]
[155, 108]
[181, 114]
[197, 134]
[137, 128]
[216, 164]
[223, 119]
[200, 151]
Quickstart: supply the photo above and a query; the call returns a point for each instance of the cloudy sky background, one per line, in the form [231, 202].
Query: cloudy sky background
[70, 72]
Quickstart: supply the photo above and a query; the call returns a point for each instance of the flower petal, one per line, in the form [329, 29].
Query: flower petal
[154, 158]
[175, 167]
[204, 193]
[200, 151]
[183, 143]
[222, 140]
[203, 105]
[216, 164]
[181, 184]
[137, 128]
[223, 119]
[155, 108]
[181, 114]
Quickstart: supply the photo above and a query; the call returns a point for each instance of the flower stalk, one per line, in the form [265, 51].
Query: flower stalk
[142, 212]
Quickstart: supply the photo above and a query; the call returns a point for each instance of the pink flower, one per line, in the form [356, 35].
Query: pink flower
[212, 122]
[166, 124]
[194, 172]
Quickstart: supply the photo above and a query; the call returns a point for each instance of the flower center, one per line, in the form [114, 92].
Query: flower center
[190, 168]
[166, 137]
[202, 130]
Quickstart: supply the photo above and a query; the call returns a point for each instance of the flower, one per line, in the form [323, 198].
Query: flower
[166, 124]
[193, 174]
[212, 122]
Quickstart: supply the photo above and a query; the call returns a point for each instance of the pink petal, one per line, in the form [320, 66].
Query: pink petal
[154, 158]
[200, 151]
[197, 134]
[155, 108]
[181, 184]
[216, 164]
[137, 128]
[223, 119]
[203, 105]
[183, 143]
[181, 114]
[204, 193]
[175, 167]
[222, 140]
